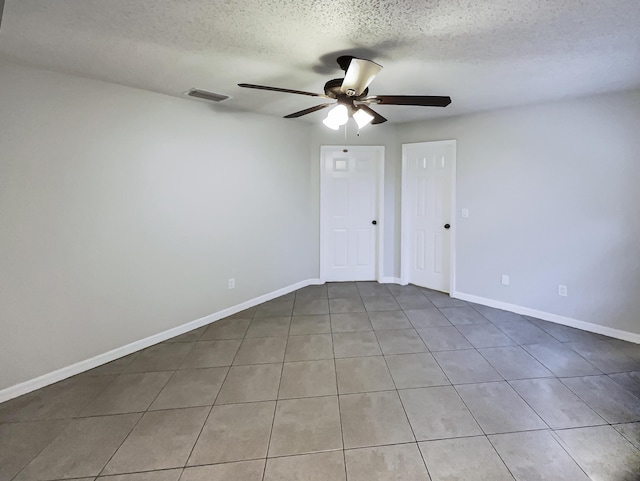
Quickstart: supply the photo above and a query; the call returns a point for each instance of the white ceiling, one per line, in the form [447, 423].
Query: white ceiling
[484, 54]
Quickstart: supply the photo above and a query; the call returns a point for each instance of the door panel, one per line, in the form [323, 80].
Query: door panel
[427, 194]
[349, 198]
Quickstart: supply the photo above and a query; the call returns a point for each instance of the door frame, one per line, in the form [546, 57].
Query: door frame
[405, 223]
[380, 207]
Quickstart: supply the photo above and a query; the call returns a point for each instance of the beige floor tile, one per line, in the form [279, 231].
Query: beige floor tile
[536, 456]
[263, 350]
[21, 442]
[355, 344]
[631, 431]
[306, 426]
[312, 292]
[258, 382]
[82, 449]
[308, 307]
[61, 400]
[415, 370]
[161, 357]
[602, 452]
[374, 419]
[164, 475]
[191, 388]
[309, 348]
[190, 336]
[400, 341]
[307, 467]
[437, 413]
[382, 320]
[308, 379]
[318, 324]
[211, 354]
[350, 322]
[556, 404]
[348, 304]
[464, 459]
[160, 440]
[240, 471]
[274, 309]
[269, 327]
[498, 408]
[226, 329]
[234, 432]
[128, 393]
[363, 374]
[401, 462]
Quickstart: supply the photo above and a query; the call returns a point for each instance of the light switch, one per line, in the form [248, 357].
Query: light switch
[465, 212]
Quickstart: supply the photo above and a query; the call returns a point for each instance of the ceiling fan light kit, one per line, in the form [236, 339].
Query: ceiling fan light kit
[362, 118]
[351, 94]
[337, 117]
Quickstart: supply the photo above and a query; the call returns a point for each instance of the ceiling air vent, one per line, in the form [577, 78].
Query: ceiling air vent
[203, 94]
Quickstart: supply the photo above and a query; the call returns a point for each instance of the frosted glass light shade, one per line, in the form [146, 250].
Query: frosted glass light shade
[362, 118]
[337, 116]
[329, 122]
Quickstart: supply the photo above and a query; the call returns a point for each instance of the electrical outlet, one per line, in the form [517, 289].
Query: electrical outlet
[562, 291]
[505, 280]
[232, 283]
[465, 213]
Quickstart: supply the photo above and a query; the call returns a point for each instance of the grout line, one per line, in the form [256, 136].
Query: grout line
[404, 410]
[566, 450]
[335, 370]
[206, 419]
[500, 457]
[275, 408]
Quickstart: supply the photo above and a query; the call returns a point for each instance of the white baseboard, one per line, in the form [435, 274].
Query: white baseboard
[82, 366]
[547, 316]
[390, 280]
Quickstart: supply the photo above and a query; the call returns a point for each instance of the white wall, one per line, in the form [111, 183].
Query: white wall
[553, 197]
[123, 213]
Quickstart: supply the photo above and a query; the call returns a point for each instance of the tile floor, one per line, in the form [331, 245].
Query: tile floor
[346, 381]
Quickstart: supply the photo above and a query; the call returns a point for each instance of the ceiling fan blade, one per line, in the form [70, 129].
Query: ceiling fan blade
[377, 118]
[307, 111]
[277, 89]
[359, 75]
[421, 100]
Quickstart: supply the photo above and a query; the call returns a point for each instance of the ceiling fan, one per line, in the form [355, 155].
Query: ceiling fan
[352, 95]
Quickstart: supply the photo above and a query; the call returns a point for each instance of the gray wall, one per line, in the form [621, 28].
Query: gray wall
[553, 197]
[123, 213]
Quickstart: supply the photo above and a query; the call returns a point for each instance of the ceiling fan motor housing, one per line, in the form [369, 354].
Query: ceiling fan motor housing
[332, 90]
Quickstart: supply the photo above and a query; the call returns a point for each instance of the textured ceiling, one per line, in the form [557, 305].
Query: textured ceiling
[484, 54]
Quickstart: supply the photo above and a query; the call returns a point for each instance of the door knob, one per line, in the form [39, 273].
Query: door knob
[374, 222]
[446, 226]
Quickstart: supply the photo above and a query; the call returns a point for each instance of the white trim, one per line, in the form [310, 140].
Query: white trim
[391, 280]
[547, 316]
[404, 216]
[82, 366]
[380, 149]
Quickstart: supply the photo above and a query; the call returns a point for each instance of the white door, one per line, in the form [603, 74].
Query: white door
[427, 213]
[350, 212]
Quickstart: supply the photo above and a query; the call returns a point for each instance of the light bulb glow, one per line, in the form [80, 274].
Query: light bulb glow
[337, 116]
[340, 114]
[329, 122]
[362, 118]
